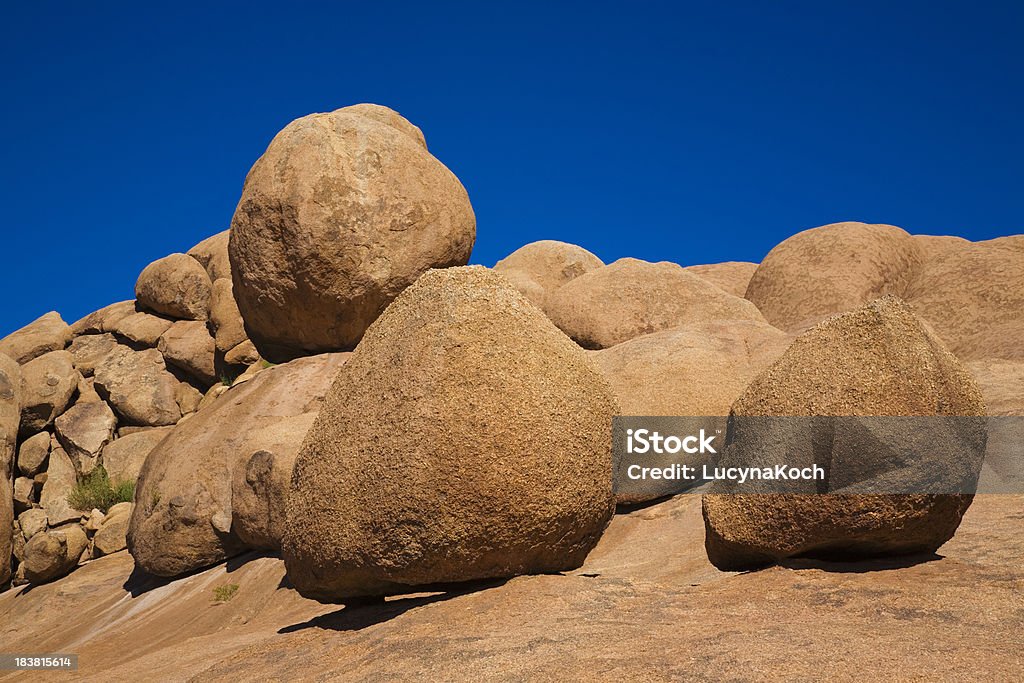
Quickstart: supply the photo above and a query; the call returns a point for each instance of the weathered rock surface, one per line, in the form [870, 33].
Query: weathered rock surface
[32, 522]
[10, 416]
[183, 520]
[835, 268]
[32, 454]
[187, 345]
[83, 431]
[123, 458]
[43, 335]
[53, 554]
[732, 276]
[877, 360]
[88, 350]
[176, 286]
[24, 494]
[61, 478]
[228, 327]
[142, 328]
[104, 319]
[341, 213]
[465, 388]
[48, 384]
[1002, 384]
[243, 354]
[630, 298]
[110, 538]
[212, 254]
[540, 268]
[138, 386]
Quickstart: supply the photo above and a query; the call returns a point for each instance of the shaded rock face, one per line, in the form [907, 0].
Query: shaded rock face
[43, 335]
[877, 360]
[61, 477]
[123, 458]
[184, 516]
[138, 386]
[10, 416]
[142, 328]
[32, 454]
[53, 554]
[83, 431]
[539, 268]
[104, 319]
[731, 276]
[631, 298]
[212, 254]
[823, 271]
[229, 330]
[187, 345]
[88, 350]
[176, 286]
[465, 438]
[110, 537]
[341, 213]
[49, 382]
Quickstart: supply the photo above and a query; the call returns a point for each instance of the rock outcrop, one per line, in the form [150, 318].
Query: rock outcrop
[188, 346]
[49, 382]
[138, 386]
[83, 431]
[176, 286]
[52, 554]
[212, 254]
[731, 276]
[10, 416]
[43, 335]
[539, 268]
[340, 214]
[466, 438]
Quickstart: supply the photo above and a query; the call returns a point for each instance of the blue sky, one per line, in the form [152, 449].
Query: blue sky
[690, 132]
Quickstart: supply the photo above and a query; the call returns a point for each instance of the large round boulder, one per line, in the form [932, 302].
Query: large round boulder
[835, 268]
[539, 268]
[879, 360]
[184, 518]
[48, 382]
[732, 276]
[52, 554]
[212, 254]
[341, 213]
[466, 438]
[630, 298]
[176, 286]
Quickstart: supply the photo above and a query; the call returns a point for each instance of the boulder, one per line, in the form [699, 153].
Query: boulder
[142, 328]
[243, 354]
[83, 431]
[32, 522]
[176, 286]
[104, 319]
[212, 254]
[93, 523]
[388, 117]
[1000, 382]
[87, 390]
[110, 538]
[466, 438]
[225, 318]
[540, 268]
[341, 213]
[877, 360]
[24, 494]
[187, 345]
[61, 478]
[48, 384]
[973, 295]
[631, 298]
[43, 335]
[188, 398]
[10, 416]
[55, 553]
[32, 454]
[184, 517]
[835, 268]
[138, 386]
[732, 276]
[123, 457]
[88, 350]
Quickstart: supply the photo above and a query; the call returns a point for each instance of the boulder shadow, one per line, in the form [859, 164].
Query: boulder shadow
[862, 566]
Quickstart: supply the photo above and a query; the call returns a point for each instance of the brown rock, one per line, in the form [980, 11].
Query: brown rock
[184, 517]
[463, 414]
[877, 360]
[123, 457]
[32, 454]
[138, 386]
[43, 335]
[88, 350]
[243, 354]
[212, 254]
[60, 480]
[87, 390]
[225, 318]
[24, 494]
[48, 384]
[32, 522]
[104, 319]
[631, 298]
[53, 554]
[110, 538]
[540, 268]
[10, 416]
[142, 328]
[188, 346]
[1002, 384]
[389, 117]
[342, 212]
[176, 286]
[732, 276]
[188, 398]
[823, 271]
[83, 431]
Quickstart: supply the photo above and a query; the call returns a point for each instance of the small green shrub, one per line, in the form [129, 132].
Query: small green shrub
[225, 592]
[266, 363]
[95, 490]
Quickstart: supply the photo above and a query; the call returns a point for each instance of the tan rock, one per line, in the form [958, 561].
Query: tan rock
[631, 298]
[53, 554]
[187, 345]
[1001, 383]
[111, 535]
[184, 517]
[138, 386]
[470, 417]
[212, 394]
[32, 454]
[60, 480]
[32, 522]
[88, 350]
[835, 268]
[188, 398]
[48, 384]
[212, 254]
[732, 276]
[87, 390]
[176, 286]
[388, 117]
[342, 212]
[540, 268]
[104, 319]
[142, 328]
[10, 416]
[83, 430]
[877, 360]
[93, 521]
[243, 354]
[43, 335]
[228, 327]
[123, 457]
[24, 494]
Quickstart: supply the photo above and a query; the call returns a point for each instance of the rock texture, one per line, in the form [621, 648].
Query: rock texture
[731, 276]
[226, 321]
[341, 213]
[53, 554]
[43, 335]
[630, 298]
[176, 286]
[49, 382]
[110, 537]
[188, 346]
[463, 414]
[184, 518]
[104, 319]
[141, 328]
[83, 431]
[88, 350]
[33, 452]
[212, 254]
[10, 416]
[61, 477]
[539, 268]
[877, 360]
[123, 458]
[138, 386]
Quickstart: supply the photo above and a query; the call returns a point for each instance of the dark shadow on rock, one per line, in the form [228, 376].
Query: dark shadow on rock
[863, 566]
[238, 561]
[626, 508]
[364, 612]
[141, 581]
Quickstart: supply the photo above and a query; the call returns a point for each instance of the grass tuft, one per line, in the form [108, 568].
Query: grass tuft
[225, 592]
[95, 490]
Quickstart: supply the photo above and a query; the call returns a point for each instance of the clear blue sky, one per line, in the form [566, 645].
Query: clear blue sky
[690, 132]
